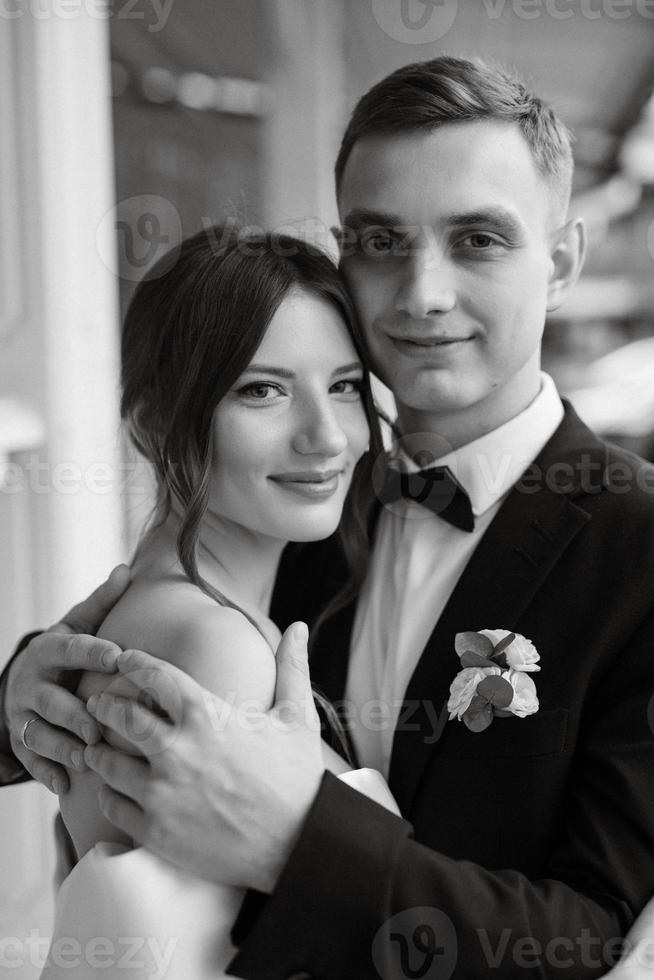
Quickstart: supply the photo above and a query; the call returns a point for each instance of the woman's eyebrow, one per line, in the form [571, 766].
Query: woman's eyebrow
[354, 366]
[363, 218]
[280, 372]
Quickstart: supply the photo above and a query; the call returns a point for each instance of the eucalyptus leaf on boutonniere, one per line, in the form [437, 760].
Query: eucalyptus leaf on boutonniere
[494, 681]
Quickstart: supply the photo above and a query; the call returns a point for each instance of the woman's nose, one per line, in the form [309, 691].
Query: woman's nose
[319, 431]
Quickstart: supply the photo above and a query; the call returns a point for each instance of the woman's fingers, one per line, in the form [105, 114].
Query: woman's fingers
[87, 615]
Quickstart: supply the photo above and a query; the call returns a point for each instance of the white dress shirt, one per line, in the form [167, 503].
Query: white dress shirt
[417, 560]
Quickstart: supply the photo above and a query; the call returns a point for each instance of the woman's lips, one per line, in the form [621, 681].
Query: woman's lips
[309, 484]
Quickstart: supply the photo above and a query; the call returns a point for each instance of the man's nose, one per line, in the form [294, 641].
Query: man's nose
[319, 430]
[427, 286]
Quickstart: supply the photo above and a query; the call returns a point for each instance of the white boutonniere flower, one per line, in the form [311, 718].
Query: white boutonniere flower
[494, 681]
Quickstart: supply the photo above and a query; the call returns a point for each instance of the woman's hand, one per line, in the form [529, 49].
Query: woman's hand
[40, 682]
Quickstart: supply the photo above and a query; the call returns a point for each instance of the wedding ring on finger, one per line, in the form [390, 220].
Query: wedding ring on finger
[23, 734]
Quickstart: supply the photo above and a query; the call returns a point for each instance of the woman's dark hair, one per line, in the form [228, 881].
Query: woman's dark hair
[193, 325]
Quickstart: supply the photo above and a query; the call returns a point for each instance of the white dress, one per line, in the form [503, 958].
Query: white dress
[128, 914]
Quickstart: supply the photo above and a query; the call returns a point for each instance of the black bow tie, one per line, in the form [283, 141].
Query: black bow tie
[435, 488]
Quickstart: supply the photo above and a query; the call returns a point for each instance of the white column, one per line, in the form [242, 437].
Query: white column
[80, 313]
[60, 505]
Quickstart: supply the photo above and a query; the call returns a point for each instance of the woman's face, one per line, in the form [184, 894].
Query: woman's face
[288, 434]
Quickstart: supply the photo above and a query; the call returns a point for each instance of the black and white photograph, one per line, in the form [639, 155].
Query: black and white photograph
[327, 489]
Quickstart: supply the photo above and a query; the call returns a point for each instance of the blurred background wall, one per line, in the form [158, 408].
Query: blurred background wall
[125, 127]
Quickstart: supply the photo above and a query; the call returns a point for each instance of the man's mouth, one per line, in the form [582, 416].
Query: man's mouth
[421, 343]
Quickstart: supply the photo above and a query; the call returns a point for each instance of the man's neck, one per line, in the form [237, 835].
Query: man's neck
[462, 426]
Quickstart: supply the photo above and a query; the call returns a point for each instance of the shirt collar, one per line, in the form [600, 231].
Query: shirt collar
[489, 466]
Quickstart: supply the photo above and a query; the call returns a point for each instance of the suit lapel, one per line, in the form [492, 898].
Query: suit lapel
[526, 539]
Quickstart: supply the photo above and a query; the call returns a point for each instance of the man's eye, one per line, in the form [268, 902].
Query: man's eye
[260, 391]
[376, 242]
[479, 241]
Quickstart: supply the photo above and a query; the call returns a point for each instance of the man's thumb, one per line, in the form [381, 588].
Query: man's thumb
[293, 681]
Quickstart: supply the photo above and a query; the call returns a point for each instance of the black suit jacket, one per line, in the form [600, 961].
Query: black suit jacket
[535, 838]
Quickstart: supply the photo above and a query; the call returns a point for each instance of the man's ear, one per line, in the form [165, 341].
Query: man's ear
[567, 259]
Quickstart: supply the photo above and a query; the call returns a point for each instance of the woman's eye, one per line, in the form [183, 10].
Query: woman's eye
[260, 391]
[349, 386]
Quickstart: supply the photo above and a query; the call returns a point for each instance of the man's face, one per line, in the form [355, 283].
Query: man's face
[447, 252]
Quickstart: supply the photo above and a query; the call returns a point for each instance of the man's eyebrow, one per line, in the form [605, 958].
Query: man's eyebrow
[280, 372]
[498, 217]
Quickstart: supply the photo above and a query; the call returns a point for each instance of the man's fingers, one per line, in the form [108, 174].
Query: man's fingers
[143, 728]
[122, 813]
[49, 774]
[66, 714]
[61, 651]
[51, 743]
[124, 773]
[87, 615]
[293, 681]
[166, 685]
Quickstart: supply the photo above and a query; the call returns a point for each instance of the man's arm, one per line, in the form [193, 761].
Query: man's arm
[345, 911]
[11, 771]
[342, 871]
[36, 684]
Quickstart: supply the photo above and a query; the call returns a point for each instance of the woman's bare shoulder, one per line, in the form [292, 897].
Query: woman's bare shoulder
[218, 646]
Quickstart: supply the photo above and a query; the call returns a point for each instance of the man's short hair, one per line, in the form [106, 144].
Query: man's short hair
[427, 94]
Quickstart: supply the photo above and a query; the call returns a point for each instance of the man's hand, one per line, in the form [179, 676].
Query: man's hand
[40, 681]
[220, 790]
